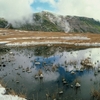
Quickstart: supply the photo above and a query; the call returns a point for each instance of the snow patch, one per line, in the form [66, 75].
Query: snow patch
[49, 42]
[87, 44]
[3, 42]
[36, 43]
[63, 23]
[66, 38]
[3, 96]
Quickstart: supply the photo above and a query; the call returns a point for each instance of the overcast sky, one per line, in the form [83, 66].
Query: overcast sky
[16, 9]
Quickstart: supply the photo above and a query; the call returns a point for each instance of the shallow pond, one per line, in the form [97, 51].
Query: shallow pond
[21, 70]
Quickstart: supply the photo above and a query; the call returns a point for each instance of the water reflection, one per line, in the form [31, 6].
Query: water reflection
[21, 69]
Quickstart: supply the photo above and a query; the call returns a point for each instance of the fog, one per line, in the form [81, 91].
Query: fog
[13, 10]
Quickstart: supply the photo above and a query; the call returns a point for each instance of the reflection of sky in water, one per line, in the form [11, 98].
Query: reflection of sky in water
[59, 59]
[65, 62]
[70, 77]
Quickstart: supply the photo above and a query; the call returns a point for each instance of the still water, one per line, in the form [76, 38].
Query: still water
[21, 70]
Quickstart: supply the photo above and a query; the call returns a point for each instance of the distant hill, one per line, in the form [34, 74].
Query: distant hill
[4, 24]
[46, 21]
[83, 24]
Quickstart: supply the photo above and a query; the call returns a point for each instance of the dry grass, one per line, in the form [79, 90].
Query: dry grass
[2, 83]
[76, 81]
[39, 72]
[20, 94]
[11, 91]
[8, 33]
[96, 94]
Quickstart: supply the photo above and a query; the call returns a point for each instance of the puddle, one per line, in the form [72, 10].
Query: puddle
[20, 66]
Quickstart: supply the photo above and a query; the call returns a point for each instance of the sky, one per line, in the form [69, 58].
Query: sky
[19, 9]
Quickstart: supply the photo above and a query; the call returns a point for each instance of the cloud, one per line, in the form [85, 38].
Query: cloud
[52, 2]
[88, 8]
[51, 76]
[15, 9]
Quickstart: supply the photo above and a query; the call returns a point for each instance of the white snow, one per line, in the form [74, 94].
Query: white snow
[20, 31]
[36, 43]
[66, 38]
[87, 44]
[3, 42]
[60, 21]
[49, 42]
[3, 96]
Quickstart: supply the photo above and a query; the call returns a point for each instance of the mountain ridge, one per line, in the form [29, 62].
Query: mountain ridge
[46, 21]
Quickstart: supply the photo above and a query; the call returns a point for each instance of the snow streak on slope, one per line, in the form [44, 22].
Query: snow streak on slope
[59, 20]
[62, 22]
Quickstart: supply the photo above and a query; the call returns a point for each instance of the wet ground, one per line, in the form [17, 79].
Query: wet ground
[61, 69]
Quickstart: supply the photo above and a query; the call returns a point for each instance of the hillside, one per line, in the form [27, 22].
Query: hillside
[83, 24]
[46, 21]
[4, 24]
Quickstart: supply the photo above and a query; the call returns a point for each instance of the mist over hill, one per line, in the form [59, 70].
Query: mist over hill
[46, 21]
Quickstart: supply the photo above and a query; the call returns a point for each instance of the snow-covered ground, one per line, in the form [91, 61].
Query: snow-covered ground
[66, 38]
[3, 42]
[77, 40]
[50, 43]
[3, 96]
